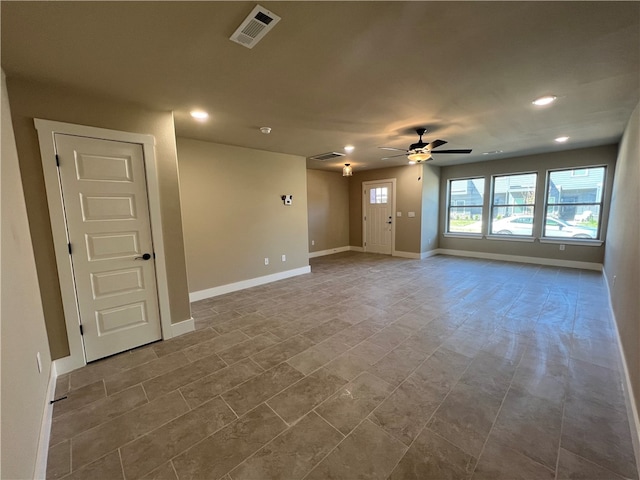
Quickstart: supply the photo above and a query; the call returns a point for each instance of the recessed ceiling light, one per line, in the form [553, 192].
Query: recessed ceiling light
[492, 152]
[349, 148]
[265, 130]
[199, 114]
[562, 139]
[546, 100]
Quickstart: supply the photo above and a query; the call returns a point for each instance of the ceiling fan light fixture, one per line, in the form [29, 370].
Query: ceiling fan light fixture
[419, 156]
[347, 171]
[545, 100]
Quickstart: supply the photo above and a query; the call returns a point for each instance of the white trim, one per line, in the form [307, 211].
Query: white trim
[46, 137]
[521, 259]
[572, 241]
[511, 238]
[45, 427]
[475, 236]
[629, 397]
[430, 253]
[393, 209]
[356, 249]
[183, 327]
[241, 285]
[413, 255]
[331, 251]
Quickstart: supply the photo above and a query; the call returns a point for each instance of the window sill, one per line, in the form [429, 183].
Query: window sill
[511, 238]
[572, 241]
[475, 236]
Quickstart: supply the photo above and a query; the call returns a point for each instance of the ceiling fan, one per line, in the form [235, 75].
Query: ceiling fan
[421, 151]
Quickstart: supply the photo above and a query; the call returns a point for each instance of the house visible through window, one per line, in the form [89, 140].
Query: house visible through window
[512, 204]
[574, 203]
[465, 205]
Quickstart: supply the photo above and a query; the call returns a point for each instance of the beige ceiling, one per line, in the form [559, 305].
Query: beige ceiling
[361, 73]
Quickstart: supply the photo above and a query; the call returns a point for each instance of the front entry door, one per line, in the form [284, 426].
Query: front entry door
[107, 213]
[378, 217]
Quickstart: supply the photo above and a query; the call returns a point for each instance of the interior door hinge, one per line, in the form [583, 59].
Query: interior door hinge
[81, 330]
[57, 160]
[69, 244]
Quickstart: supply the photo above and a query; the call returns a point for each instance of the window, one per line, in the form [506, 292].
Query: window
[512, 204]
[574, 203]
[378, 195]
[465, 204]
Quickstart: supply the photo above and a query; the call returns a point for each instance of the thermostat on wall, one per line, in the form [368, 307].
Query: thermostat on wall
[287, 199]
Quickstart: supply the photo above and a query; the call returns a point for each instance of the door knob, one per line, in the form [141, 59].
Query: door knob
[146, 256]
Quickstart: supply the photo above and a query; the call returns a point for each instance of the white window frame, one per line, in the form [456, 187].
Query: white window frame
[450, 205]
[518, 238]
[586, 241]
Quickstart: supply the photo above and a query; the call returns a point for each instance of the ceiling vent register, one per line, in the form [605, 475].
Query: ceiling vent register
[254, 27]
[323, 157]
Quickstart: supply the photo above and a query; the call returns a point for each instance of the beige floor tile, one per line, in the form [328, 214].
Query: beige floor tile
[292, 454]
[59, 460]
[224, 450]
[354, 401]
[499, 462]
[248, 347]
[183, 341]
[215, 345]
[301, 397]
[94, 443]
[367, 453]
[397, 364]
[219, 382]
[110, 366]
[163, 384]
[282, 351]
[96, 413]
[107, 467]
[150, 451]
[574, 467]
[260, 388]
[80, 397]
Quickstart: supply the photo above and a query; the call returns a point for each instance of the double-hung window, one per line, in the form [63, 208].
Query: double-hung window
[465, 205]
[512, 204]
[574, 203]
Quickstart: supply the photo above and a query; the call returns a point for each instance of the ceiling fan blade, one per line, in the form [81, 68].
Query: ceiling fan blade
[393, 156]
[393, 148]
[436, 143]
[468, 150]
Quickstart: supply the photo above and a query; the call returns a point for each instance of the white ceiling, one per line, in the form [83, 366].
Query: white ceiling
[362, 73]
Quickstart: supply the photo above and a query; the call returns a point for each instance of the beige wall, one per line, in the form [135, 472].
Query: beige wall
[430, 207]
[408, 199]
[31, 100]
[605, 155]
[328, 210]
[23, 332]
[233, 214]
[622, 253]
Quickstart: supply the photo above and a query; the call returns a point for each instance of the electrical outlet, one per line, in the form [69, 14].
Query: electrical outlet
[39, 361]
[614, 280]
[562, 247]
[313, 242]
[266, 261]
[284, 258]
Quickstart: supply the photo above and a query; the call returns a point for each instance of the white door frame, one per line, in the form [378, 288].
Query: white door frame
[46, 136]
[365, 185]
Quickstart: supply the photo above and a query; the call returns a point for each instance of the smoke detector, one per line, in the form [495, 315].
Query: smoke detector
[254, 27]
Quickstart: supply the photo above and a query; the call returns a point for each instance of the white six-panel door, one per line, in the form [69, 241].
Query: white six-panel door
[105, 199]
[378, 219]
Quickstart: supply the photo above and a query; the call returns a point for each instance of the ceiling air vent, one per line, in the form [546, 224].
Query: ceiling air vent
[254, 27]
[323, 157]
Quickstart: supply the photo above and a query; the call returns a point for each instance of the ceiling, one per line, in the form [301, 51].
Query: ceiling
[361, 73]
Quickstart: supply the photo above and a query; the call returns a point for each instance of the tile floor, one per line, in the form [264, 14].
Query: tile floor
[370, 367]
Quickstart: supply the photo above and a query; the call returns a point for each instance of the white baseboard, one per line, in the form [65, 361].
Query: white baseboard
[356, 249]
[522, 259]
[331, 251]
[630, 400]
[45, 427]
[430, 253]
[67, 364]
[182, 327]
[252, 282]
[400, 254]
